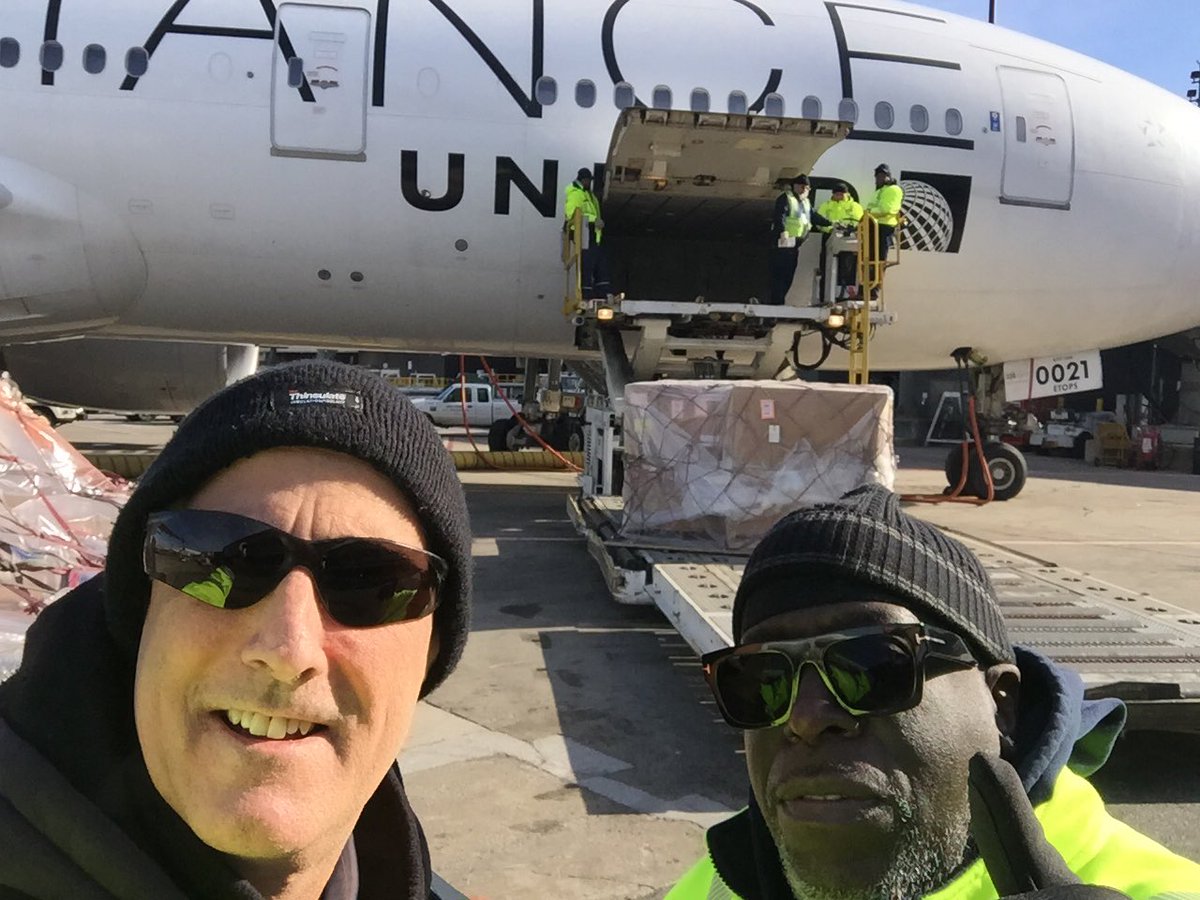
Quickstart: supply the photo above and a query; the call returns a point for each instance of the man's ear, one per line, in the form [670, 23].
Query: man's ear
[1004, 684]
[434, 646]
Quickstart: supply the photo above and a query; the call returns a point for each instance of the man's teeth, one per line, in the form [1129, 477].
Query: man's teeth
[273, 727]
[822, 797]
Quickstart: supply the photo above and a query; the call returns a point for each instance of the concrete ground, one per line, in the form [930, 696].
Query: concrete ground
[575, 752]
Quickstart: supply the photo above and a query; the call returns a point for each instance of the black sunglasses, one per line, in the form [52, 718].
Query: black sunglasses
[874, 671]
[232, 562]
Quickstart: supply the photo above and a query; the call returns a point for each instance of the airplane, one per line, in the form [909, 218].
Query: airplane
[202, 176]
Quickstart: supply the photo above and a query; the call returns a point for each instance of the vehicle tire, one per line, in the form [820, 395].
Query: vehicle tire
[46, 413]
[498, 434]
[565, 437]
[1008, 468]
[574, 442]
[953, 468]
[1007, 464]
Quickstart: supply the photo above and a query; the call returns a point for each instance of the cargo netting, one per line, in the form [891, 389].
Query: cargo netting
[717, 463]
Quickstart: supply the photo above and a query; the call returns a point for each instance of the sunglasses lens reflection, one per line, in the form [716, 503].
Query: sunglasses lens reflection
[755, 689]
[871, 673]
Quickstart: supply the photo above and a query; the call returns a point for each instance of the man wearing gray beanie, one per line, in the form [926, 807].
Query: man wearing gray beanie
[218, 715]
[923, 754]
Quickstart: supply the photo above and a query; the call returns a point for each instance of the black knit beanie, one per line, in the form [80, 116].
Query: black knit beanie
[865, 537]
[305, 404]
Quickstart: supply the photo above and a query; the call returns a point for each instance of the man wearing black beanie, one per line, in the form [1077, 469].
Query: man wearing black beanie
[219, 714]
[909, 762]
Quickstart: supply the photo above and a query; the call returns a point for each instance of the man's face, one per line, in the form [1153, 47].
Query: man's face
[254, 797]
[839, 196]
[871, 806]
[880, 178]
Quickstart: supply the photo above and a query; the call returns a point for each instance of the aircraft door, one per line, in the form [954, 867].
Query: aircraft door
[1039, 139]
[319, 82]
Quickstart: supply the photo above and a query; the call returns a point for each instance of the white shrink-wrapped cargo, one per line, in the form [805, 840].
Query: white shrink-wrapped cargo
[717, 463]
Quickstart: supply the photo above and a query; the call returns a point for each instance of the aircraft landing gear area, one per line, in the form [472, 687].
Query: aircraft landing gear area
[977, 471]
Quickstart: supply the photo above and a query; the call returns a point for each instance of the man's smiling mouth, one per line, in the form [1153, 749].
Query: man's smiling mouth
[275, 728]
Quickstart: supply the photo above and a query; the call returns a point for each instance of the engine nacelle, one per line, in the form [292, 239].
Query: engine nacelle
[67, 262]
[128, 375]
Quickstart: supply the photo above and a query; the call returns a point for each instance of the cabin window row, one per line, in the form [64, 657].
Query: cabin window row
[700, 101]
[51, 57]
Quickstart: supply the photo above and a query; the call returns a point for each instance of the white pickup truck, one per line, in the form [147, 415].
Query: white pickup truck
[483, 407]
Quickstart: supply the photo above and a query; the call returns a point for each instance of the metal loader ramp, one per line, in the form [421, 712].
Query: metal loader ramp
[1124, 644]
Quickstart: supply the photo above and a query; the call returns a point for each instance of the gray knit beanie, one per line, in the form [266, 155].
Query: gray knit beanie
[305, 404]
[865, 537]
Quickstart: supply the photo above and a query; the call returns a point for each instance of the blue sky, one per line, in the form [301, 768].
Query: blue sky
[1158, 40]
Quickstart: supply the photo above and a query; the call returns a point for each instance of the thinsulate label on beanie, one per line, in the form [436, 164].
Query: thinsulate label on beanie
[289, 397]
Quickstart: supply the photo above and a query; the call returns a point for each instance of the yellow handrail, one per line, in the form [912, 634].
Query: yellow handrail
[572, 257]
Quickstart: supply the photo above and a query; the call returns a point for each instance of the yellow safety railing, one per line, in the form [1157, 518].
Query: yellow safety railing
[572, 257]
[870, 279]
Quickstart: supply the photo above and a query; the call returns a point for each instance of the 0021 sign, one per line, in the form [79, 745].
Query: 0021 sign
[1052, 376]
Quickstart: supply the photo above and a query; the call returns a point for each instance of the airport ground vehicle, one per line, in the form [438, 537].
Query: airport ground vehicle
[57, 415]
[483, 404]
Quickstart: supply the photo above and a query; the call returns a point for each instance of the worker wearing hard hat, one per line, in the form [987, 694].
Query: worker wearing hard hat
[884, 206]
[594, 262]
[840, 209]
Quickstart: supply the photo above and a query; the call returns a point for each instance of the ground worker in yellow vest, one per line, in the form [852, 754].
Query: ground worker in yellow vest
[884, 206]
[594, 264]
[897, 744]
[791, 221]
[840, 209]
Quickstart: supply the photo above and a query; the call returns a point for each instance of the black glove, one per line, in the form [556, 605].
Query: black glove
[1022, 863]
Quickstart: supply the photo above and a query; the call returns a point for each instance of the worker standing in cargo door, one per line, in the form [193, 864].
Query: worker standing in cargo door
[885, 207]
[594, 263]
[791, 221]
[840, 209]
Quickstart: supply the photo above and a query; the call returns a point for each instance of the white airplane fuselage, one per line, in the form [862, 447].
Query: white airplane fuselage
[154, 206]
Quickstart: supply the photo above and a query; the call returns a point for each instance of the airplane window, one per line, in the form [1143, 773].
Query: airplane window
[918, 118]
[1021, 129]
[546, 90]
[662, 97]
[737, 104]
[585, 93]
[94, 59]
[848, 111]
[811, 107]
[700, 100]
[954, 123]
[623, 95]
[885, 116]
[51, 56]
[774, 105]
[137, 61]
[10, 52]
[295, 73]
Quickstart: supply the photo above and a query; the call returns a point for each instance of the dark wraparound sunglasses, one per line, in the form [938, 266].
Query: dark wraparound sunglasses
[875, 671]
[232, 562]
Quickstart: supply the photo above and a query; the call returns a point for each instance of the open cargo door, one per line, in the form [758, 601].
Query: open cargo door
[688, 199]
